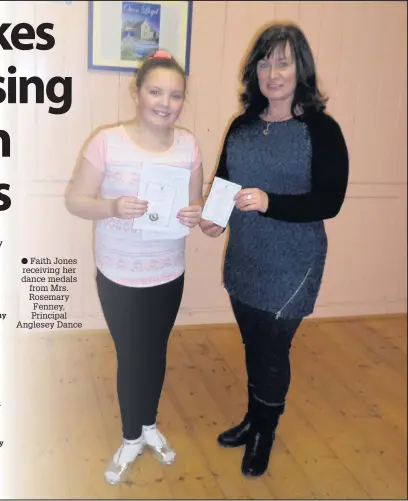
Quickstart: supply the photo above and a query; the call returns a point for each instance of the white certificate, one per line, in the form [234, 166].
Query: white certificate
[220, 201]
[166, 189]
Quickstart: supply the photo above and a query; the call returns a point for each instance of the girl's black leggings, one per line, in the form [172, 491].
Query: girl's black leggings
[140, 321]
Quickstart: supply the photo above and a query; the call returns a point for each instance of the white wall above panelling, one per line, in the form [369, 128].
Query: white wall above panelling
[360, 49]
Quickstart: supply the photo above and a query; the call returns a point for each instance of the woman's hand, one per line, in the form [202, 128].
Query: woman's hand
[211, 229]
[190, 216]
[129, 208]
[251, 199]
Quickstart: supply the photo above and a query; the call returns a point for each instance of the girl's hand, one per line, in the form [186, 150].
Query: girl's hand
[211, 229]
[190, 216]
[129, 207]
[251, 199]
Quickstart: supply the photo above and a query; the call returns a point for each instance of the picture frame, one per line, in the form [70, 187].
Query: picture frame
[122, 33]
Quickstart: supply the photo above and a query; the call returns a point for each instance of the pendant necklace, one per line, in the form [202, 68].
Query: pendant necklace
[268, 123]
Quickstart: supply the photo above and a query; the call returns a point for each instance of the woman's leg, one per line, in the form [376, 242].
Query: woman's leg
[267, 353]
[237, 435]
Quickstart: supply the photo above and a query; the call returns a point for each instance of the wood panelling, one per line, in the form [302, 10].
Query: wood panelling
[360, 50]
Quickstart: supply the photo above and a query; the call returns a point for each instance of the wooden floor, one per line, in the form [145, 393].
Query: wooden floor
[343, 436]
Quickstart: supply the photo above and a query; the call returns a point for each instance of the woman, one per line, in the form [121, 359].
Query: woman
[291, 160]
[139, 279]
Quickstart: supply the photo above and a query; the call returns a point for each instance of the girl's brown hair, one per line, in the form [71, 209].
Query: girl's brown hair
[159, 59]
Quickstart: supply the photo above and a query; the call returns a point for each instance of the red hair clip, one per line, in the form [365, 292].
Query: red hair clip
[161, 54]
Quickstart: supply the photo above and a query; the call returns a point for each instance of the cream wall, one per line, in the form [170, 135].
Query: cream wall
[360, 50]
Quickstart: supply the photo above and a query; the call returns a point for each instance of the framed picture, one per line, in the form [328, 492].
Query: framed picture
[122, 33]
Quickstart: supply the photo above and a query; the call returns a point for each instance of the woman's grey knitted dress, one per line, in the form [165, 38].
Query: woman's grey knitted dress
[273, 265]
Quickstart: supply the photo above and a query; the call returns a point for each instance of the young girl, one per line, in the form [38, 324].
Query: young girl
[139, 280]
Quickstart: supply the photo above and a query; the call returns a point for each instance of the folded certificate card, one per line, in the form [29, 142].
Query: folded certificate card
[220, 201]
[166, 189]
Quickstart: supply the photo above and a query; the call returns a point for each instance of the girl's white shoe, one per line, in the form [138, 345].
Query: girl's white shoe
[155, 441]
[119, 466]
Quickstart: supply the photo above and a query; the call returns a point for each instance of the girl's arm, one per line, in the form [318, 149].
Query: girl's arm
[81, 196]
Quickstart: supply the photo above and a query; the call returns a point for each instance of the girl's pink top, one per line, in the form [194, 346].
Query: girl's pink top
[123, 254]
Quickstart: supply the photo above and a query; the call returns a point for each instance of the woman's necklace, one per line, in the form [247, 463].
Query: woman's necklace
[266, 130]
[269, 122]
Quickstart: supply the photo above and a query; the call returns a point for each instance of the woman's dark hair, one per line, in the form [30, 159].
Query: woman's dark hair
[307, 96]
[159, 59]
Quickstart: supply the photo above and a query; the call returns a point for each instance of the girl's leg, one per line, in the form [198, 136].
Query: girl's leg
[162, 303]
[138, 320]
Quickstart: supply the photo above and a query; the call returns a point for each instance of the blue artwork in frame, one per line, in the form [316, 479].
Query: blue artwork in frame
[122, 33]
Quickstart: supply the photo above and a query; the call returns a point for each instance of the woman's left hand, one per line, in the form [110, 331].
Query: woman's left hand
[190, 216]
[251, 199]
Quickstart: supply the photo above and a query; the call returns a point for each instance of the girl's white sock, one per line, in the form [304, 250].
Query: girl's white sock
[152, 436]
[128, 451]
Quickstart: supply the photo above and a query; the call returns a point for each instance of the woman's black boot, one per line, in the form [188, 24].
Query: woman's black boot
[237, 436]
[260, 439]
